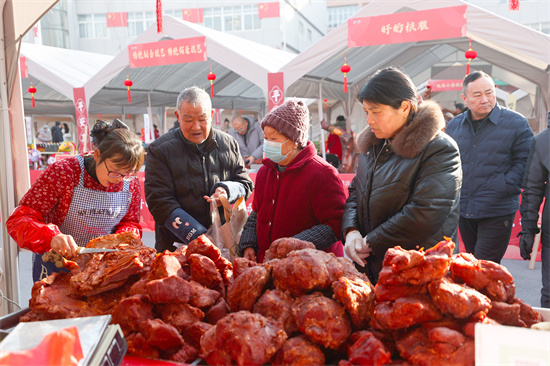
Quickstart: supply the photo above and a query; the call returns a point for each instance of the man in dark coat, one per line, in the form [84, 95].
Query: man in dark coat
[57, 134]
[536, 187]
[189, 167]
[494, 144]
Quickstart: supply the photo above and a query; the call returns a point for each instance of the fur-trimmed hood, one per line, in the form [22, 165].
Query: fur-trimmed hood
[412, 138]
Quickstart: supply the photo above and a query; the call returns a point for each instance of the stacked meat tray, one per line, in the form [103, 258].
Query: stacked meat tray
[300, 307]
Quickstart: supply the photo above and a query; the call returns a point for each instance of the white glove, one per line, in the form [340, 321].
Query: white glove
[357, 248]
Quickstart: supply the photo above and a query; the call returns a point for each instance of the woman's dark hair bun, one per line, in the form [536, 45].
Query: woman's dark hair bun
[102, 128]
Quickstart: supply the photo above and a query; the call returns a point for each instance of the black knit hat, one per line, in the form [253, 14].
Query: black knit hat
[290, 119]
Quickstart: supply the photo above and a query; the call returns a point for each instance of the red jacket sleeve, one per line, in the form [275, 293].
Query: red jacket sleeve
[26, 227]
[130, 222]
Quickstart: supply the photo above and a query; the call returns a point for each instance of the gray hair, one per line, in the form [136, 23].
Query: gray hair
[194, 95]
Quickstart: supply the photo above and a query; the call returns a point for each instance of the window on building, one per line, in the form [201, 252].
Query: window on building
[175, 13]
[339, 14]
[309, 35]
[232, 18]
[300, 27]
[140, 21]
[92, 25]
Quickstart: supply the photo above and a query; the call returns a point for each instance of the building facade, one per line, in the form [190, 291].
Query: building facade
[109, 26]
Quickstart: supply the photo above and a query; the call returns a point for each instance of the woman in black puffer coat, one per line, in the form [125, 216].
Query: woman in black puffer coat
[407, 185]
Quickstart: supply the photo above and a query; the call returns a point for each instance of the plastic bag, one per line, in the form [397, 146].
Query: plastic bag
[61, 347]
[235, 217]
[214, 232]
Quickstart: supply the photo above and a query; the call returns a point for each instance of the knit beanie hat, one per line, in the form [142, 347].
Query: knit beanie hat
[290, 119]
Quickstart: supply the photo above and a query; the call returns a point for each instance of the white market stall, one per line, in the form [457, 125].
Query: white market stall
[521, 55]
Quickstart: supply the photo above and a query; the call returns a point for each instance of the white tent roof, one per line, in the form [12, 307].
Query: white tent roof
[521, 54]
[241, 67]
[56, 72]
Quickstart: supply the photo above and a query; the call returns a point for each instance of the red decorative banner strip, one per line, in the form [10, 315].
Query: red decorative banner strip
[275, 87]
[176, 51]
[413, 26]
[23, 67]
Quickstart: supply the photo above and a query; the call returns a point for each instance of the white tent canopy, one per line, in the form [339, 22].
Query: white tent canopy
[521, 54]
[241, 67]
[55, 72]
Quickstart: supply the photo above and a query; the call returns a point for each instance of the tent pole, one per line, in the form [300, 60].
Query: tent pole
[8, 267]
[320, 108]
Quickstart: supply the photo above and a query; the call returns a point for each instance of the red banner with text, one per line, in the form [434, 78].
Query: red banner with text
[413, 26]
[275, 87]
[446, 85]
[175, 51]
[83, 130]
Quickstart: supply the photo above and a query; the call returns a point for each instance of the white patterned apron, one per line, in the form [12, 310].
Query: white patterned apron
[91, 214]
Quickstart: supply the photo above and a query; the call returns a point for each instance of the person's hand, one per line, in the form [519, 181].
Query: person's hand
[64, 245]
[250, 254]
[220, 191]
[357, 248]
[248, 160]
[325, 125]
[526, 244]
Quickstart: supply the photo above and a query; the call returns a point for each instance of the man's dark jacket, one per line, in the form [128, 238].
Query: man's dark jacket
[179, 175]
[536, 184]
[493, 161]
[406, 190]
[57, 134]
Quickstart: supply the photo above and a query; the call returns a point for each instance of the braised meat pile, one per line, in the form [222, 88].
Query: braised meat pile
[301, 306]
[316, 299]
[161, 301]
[427, 304]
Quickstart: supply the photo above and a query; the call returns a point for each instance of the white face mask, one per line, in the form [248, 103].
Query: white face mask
[273, 151]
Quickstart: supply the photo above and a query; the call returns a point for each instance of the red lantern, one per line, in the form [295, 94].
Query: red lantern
[470, 55]
[211, 76]
[160, 26]
[325, 100]
[128, 84]
[32, 90]
[345, 68]
[513, 5]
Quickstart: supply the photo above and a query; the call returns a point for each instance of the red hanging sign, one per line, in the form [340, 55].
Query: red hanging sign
[84, 143]
[193, 15]
[117, 20]
[413, 26]
[176, 51]
[268, 10]
[275, 87]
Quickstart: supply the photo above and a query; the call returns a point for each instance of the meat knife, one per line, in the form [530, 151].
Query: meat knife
[84, 250]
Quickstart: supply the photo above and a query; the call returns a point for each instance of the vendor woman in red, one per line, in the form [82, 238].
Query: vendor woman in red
[81, 198]
[297, 193]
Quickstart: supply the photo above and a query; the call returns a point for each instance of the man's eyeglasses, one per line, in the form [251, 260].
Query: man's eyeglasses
[131, 176]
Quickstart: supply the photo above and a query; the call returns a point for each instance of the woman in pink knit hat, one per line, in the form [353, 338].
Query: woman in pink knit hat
[297, 193]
